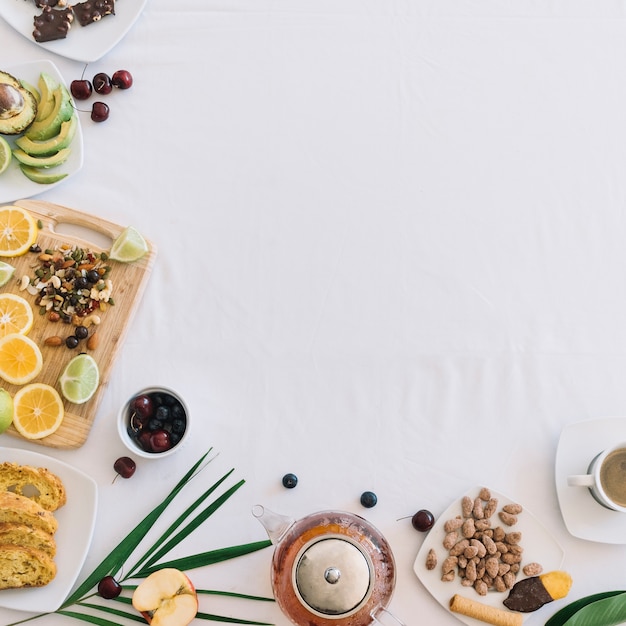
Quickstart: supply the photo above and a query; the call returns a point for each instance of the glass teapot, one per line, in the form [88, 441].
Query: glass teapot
[330, 568]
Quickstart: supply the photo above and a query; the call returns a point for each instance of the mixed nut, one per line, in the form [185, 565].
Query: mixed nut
[71, 285]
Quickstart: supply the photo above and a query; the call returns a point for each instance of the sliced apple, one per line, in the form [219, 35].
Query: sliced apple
[166, 598]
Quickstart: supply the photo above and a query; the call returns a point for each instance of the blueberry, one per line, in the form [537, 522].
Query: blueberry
[71, 341]
[163, 413]
[177, 411]
[81, 332]
[178, 426]
[368, 499]
[155, 424]
[290, 481]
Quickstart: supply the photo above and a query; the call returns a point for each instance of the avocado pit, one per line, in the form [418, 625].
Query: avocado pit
[11, 101]
[18, 106]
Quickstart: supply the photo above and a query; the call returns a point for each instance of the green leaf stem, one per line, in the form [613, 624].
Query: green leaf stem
[152, 558]
[560, 617]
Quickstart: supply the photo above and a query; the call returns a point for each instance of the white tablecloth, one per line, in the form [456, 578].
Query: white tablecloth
[392, 257]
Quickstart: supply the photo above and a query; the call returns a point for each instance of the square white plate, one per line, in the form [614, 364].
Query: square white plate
[579, 443]
[13, 184]
[83, 43]
[76, 519]
[538, 544]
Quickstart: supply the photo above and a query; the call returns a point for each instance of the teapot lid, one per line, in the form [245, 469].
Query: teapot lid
[333, 576]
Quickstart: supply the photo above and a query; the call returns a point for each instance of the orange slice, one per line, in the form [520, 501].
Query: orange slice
[18, 231]
[37, 410]
[20, 359]
[16, 315]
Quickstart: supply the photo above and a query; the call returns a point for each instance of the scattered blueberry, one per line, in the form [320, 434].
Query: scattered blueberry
[368, 499]
[290, 481]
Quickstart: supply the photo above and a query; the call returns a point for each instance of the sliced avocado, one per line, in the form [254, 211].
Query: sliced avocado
[18, 106]
[47, 85]
[42, 177]
[44, 161]
[32, 90]
[52, 145]
[50, 126]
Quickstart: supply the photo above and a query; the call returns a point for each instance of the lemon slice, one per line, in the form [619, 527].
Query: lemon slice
[16, 315]
[20, 359]
[129, 246]
[37, 411]
[18, 231]
[5, 154]
[80, 378]
[6, 272]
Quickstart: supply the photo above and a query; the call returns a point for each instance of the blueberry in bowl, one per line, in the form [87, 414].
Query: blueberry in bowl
[154, 422]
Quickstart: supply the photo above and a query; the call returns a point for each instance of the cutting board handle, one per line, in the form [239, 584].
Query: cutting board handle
[73, 224]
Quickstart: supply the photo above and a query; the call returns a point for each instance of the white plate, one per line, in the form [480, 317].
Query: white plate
[13, 184]
[76, 519]
[538, 544]
[83, 43]
[584, 517]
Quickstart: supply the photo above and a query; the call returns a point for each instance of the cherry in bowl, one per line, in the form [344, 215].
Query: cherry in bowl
[154, 422]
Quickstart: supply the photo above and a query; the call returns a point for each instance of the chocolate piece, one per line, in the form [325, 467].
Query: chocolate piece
[527, 595]
[50, 3]
[92, 11]
[52, 24]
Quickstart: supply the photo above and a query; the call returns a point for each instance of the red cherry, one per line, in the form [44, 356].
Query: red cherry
[160, 441]
[102, 83]
[109, 588]
[143, 440]
[99, 112]
[423, 520]
[81, 89]
[125, 466]
[122, 79]
[143, 405]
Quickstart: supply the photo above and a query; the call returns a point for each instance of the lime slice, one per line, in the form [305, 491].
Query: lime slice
[6, 272]
[80, 379]
[6, 410]
[5, 154]
[129, 246]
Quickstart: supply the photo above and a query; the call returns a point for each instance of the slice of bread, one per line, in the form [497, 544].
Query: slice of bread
[28, 537]
[38, 483]
[24, 567]
[18, 509]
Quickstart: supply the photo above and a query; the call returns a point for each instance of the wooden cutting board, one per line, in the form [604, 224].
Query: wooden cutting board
[62, 225]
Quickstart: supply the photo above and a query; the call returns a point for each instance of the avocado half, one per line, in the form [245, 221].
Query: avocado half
[18, 106]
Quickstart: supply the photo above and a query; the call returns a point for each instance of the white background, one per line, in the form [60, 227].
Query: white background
[392, 254]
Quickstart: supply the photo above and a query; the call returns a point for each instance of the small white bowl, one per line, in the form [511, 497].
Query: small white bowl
[126, 415]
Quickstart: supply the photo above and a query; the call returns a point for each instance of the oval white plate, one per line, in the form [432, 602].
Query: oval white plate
[77, 519]
[83, 43]
[13, 184]
[538, 544]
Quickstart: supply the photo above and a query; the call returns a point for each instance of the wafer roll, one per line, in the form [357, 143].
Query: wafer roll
[484, 612]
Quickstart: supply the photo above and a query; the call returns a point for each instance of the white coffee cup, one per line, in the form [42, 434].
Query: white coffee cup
[606, 478]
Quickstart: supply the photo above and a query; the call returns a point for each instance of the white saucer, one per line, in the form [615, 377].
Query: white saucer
[584, 517]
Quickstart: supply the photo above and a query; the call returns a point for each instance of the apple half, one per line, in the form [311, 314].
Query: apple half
[166, 598]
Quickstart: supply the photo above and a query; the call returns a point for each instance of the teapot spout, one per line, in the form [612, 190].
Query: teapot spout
[276, 525]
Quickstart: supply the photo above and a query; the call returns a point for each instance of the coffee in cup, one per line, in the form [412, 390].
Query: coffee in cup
[606, 478]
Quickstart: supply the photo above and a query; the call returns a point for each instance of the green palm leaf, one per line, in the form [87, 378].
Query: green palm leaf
[207, 558]
[118, 556]
[150, 562]
[159, 542]
[195, 523]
